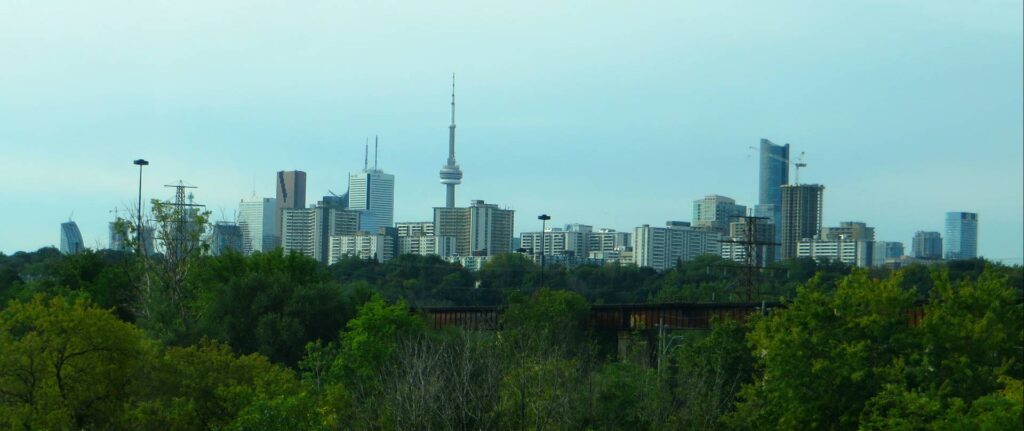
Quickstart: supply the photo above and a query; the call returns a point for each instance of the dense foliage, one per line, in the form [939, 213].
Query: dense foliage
[103, 340]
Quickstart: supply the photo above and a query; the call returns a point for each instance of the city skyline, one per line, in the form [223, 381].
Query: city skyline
[897, 155]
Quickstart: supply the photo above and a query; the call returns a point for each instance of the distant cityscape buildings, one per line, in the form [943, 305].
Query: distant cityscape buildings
[786, 223]
[927, 245]
[961, 240]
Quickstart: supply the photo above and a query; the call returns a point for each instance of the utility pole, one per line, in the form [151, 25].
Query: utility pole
[753, 253]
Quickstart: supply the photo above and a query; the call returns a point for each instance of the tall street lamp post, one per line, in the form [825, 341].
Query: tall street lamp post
[543, 227]
[140, 163]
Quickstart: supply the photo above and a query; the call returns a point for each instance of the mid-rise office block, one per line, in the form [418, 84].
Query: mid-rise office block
[715, 212]
[291, 194]
[926, 245]
[961, 240]
[851, 230]
[257, 219]
[71, 238]
[225, 236]
[801, 215]
[848, 251]
[480, 230]
[886, 251]
[662, 247]
[364, 245]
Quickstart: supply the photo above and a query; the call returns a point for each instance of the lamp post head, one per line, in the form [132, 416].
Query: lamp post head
[141, 162]
[544, 217]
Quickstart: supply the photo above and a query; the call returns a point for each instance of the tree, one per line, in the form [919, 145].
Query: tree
[66, 365]
[825, 355]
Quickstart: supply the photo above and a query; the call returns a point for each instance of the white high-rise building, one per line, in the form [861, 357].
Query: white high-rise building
[425, 245]
[257, 219]
[372, 192]
[661, 247]
[843, 249]
[362, 245]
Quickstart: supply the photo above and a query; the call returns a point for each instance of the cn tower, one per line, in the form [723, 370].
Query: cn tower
[451, 175]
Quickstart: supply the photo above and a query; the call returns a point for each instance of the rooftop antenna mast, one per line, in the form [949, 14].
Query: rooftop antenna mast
[375, 152]
[366, 154]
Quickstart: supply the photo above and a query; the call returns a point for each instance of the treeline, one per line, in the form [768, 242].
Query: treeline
[273, 341]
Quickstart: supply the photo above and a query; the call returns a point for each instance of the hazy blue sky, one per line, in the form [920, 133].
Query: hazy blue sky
[613, 114]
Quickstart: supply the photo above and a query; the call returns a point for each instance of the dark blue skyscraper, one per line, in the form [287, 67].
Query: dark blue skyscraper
[774, 174]
[70, 238]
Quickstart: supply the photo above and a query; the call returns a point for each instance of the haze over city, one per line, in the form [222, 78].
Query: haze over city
[605, 114]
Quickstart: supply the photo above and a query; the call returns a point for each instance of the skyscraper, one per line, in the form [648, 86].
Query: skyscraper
[926, 245]
[257, 219]
[715, 212]
[372, 192]
[961, 240]
[481, 229]
[70, 238]
[774, 173]
[451, 175]
[291, 193]
[801, 215]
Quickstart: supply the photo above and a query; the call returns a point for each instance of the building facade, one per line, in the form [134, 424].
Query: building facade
[855, 230]
[848, 251]
[887, 251]
[373, 192]
[364, 245]
[71, 238]
[715, 212]
[773, 174]
[425, 245]
[481, 229]
[225, 236]
[662, 247]
[308, 230]
[961, 240]
[415, 228]
[801, 215]
[291, 194]
[257, 220]
[926, 245]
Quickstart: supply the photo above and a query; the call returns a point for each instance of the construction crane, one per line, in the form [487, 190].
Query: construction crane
[799, 163]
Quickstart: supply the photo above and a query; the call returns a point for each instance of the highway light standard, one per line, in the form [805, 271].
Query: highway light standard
[140, 163]
[543, 226]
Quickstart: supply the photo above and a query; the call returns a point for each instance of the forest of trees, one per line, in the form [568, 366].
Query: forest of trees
[106, 340]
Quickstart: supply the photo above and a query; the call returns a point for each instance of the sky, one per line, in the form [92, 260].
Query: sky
[608, 113]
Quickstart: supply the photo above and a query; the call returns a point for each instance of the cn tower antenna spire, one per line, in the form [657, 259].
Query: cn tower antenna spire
[451, 175]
